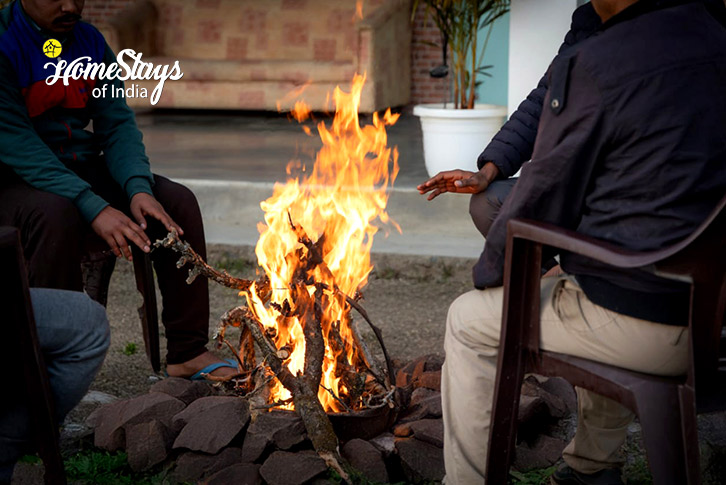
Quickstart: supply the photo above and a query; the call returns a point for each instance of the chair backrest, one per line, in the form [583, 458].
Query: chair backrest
[31, 385]
[701, 260]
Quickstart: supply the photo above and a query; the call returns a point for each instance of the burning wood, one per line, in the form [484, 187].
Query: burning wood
[314, 249]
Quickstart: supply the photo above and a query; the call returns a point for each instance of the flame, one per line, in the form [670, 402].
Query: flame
[335, 204]
[359, 9]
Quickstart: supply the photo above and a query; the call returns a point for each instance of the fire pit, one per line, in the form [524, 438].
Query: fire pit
[314, 250]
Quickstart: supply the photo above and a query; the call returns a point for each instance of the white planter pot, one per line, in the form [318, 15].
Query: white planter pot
[454, 138]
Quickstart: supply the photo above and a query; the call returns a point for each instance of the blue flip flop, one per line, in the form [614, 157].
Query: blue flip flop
[212, 367]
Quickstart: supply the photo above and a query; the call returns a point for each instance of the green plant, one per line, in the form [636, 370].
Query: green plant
[95, 467]
[533, 477]
[460, 22]
[129, 349]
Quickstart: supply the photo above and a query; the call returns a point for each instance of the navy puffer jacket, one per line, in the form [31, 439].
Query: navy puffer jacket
[513, 145]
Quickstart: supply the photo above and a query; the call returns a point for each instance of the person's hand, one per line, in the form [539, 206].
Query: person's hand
[143, 204]
[459, 181]
[114, 227]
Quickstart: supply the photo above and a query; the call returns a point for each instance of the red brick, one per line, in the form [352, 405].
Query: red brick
[237, 48]
[324, 50]
[296, 33]
[209, 31]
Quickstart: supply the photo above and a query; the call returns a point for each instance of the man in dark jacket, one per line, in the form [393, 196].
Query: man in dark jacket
[630, 149]
[58, 179]
[511, 147]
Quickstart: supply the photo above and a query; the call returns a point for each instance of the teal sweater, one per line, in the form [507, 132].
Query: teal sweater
[42, 127]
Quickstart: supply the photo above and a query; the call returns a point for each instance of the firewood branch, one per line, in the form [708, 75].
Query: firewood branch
[316, 257]
[200, 267]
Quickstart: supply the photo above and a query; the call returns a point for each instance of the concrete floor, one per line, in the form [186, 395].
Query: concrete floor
[231, 161]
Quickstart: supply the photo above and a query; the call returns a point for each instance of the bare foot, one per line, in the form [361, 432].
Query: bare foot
[191, 367]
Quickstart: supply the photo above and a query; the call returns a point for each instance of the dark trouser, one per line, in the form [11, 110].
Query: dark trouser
[484, 206]
[52, 233]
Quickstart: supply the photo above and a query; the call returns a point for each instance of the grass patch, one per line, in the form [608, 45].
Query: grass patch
[235, 266]
[129, 349]
[533, 477]
[95, 467]
[388, 273]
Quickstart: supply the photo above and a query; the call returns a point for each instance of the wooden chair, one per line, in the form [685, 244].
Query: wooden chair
[666, 407]
[26, 378]
[97, 268]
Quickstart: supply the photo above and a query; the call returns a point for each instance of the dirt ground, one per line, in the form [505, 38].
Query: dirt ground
[407, 297]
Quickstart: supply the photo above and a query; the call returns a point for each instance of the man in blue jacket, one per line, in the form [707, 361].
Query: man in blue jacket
[631, 150]
[58, 179]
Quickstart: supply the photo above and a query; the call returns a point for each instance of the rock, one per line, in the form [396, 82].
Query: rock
[192, 466]
[254, 447]
[385, 442]
[99, 398]
[183, 389]
[420, 394]
[562, 389]
[147, 444]
[531, 407]
[285, 468]
[555, 405]
[426, 408]
[367, 459]
[434, 362]
[429, 380]
[240, 474]
[544, 452]
[429, 430]
[284, 429]
[526, 459]
[421, 461]
[214, 429]
[112, 419]
[411, 371]
[200, 406]
[402, 430]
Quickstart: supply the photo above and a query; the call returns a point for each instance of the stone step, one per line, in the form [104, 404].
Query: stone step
[231, 211]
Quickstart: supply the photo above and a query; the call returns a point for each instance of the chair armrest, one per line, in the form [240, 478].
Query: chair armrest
[133, 28]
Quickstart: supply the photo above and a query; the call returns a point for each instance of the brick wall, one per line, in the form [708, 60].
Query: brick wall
[424, 88]
[100, 10]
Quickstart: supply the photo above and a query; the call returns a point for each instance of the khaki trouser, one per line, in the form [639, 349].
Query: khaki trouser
[571, 324]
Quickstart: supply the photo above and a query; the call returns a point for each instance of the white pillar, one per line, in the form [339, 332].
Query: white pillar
[536, 30]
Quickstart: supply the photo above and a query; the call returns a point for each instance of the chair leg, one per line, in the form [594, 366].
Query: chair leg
[148, 315]
[689, 429]
[660, 414]
[504, 421]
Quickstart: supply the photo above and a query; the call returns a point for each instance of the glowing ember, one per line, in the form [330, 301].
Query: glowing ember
[334, 205]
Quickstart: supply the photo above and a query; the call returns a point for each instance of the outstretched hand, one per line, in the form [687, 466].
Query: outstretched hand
[114, 227]
[455, 181]
[143, 204]
[459, 181]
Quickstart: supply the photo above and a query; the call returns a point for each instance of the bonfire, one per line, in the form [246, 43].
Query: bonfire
[314, 252]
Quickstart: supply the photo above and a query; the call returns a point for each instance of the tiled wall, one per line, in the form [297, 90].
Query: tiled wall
[424, 89]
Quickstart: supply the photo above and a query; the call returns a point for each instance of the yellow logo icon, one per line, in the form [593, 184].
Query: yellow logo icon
[52, 48]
